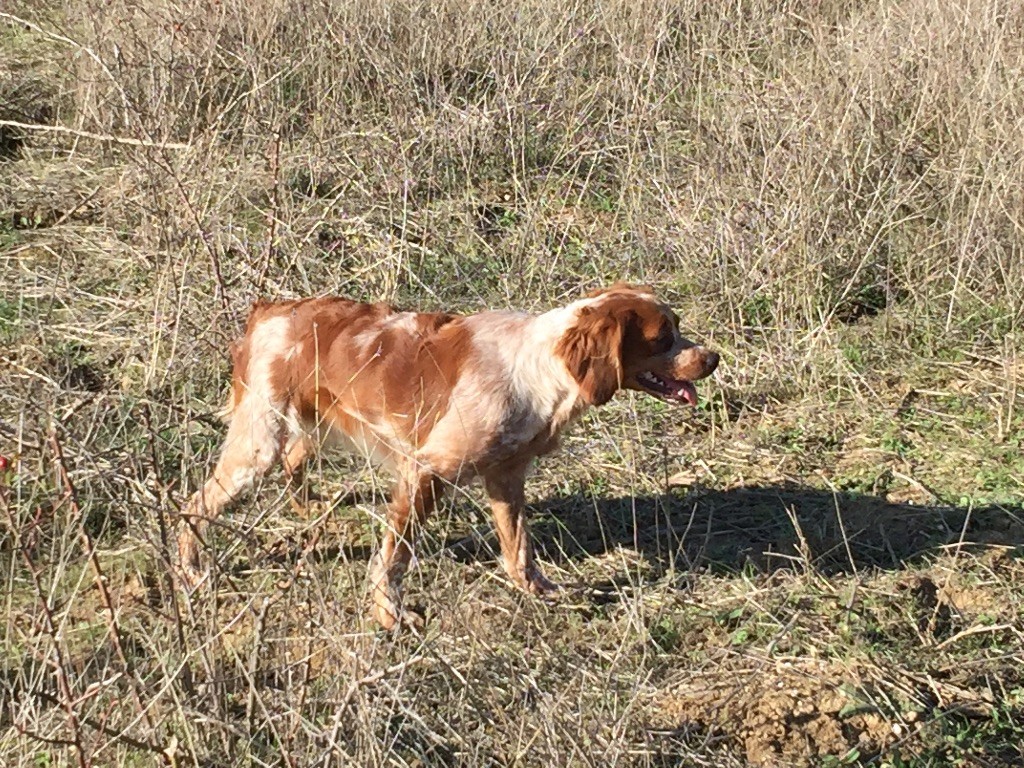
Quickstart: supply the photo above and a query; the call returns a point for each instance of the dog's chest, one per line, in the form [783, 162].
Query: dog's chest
[529, 431]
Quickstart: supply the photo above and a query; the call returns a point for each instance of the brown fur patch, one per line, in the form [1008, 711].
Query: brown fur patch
[613, 340]
[592, 351]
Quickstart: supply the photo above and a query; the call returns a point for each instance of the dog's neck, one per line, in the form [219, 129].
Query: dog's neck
[540, 371]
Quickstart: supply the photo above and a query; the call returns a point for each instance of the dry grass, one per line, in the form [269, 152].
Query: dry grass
[820, 566]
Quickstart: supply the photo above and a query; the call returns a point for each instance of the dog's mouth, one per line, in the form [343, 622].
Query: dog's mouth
[667, 388]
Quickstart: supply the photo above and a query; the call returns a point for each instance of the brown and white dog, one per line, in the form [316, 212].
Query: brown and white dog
[437, 398]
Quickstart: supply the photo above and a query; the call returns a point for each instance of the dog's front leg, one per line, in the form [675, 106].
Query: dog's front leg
[505, 488]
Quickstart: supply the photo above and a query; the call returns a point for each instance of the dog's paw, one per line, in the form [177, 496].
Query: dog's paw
[536, 583]
[190, 571]
[392, 619]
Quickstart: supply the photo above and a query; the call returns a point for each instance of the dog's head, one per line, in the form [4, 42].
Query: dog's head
[624, 337]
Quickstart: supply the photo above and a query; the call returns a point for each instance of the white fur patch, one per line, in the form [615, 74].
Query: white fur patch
[258, 420]
[512, 389]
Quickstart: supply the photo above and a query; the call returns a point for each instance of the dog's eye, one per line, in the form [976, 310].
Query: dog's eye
[664, 341]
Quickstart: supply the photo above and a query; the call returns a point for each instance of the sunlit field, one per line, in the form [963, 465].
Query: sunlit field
[818, 566]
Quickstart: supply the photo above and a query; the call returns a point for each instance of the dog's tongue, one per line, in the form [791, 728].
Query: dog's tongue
[686, 392]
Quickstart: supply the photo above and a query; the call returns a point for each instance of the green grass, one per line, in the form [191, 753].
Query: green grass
[820, 565]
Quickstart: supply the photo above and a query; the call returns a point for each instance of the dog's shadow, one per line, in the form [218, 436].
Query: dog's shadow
[766, 528]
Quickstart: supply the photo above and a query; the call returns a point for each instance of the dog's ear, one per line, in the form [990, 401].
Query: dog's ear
[592, 351]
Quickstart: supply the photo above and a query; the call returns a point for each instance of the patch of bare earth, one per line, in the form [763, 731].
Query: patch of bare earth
[779, 712]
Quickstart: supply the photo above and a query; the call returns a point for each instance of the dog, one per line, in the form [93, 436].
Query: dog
[436, 398]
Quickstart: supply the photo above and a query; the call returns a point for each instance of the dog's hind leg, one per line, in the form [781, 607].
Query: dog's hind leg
[252, 446]
[412, 501]
[297, 452]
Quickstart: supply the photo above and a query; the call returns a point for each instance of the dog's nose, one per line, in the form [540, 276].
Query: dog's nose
[710, 362]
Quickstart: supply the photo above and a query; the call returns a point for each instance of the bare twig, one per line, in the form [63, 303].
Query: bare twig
[105, 137]
[60, 665]
[100, 580]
